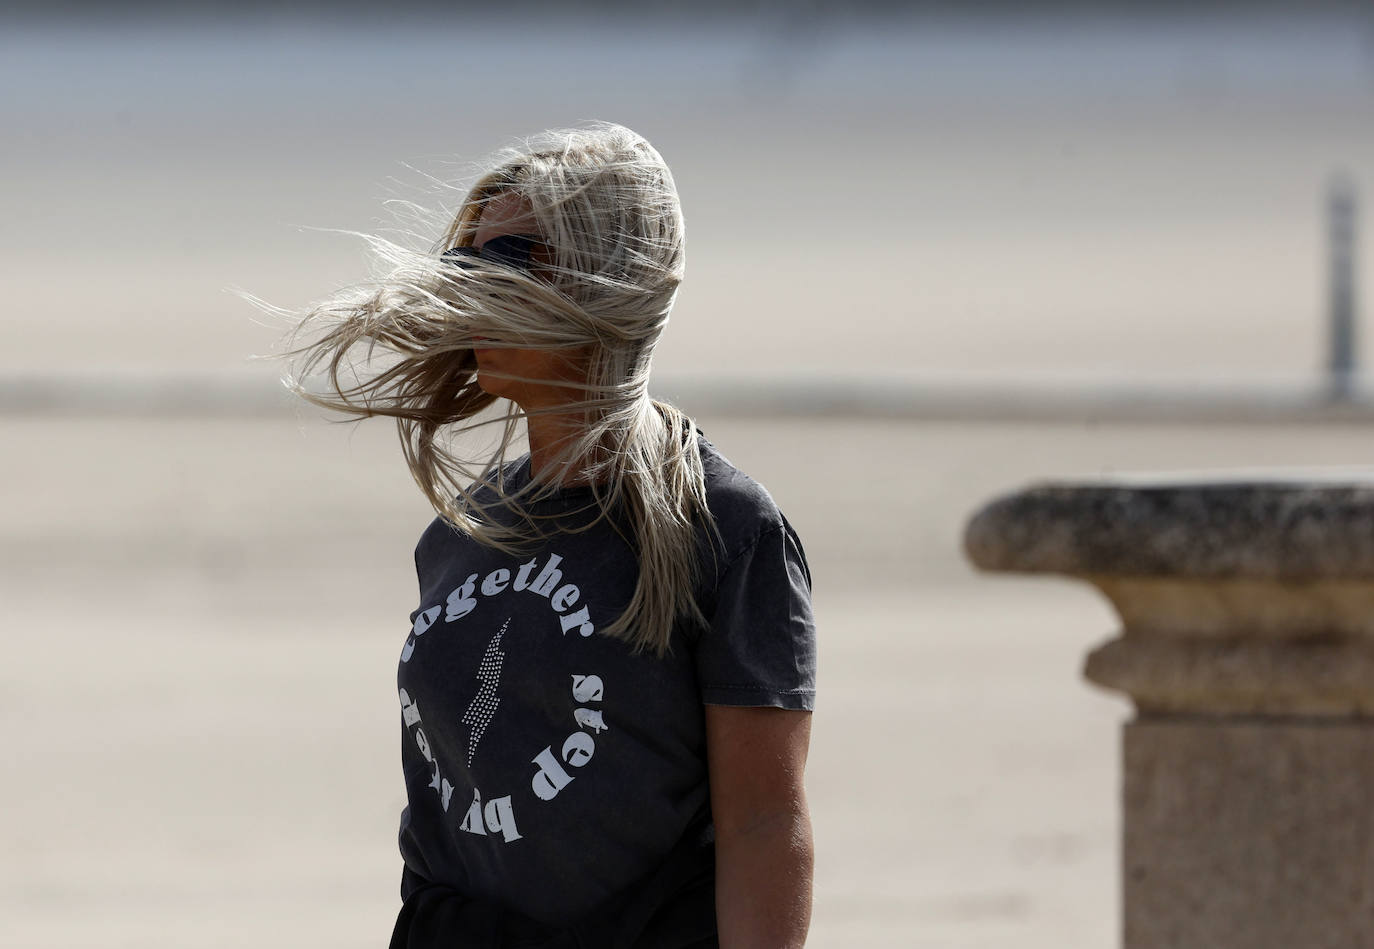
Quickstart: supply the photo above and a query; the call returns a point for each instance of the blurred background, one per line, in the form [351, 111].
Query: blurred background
[936, 252]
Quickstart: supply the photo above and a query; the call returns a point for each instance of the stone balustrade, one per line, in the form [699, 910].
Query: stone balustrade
[1247, 647]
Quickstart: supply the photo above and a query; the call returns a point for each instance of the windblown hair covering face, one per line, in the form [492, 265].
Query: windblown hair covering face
[611, 258]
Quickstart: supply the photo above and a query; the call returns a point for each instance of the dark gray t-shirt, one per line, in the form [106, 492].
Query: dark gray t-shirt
[547, 767]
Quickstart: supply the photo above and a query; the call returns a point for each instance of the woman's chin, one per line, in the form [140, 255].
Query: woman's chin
[492, 384]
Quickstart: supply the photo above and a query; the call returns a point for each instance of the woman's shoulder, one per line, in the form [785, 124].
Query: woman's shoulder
[742, 508]
[755, 581]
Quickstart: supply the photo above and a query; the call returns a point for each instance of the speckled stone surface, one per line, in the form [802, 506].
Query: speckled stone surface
[1243, 835]
[1278, 530]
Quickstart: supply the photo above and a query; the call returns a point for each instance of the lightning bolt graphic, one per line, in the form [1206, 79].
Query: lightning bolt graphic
[483, 706]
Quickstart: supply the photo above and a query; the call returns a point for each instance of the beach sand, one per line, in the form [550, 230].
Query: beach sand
[1131, 196]
[202, 617]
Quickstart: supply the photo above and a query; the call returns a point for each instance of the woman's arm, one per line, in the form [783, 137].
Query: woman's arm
[757, 759]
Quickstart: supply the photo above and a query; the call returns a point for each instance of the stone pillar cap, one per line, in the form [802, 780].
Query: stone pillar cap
[1309, 526]
[1236, 596]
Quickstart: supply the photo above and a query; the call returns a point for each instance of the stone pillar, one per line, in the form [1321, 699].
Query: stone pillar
[1247, 646]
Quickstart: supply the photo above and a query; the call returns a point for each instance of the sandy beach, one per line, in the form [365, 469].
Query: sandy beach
[1133, 196]
[201, 616]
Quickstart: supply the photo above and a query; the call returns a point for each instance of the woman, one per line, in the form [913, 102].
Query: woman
[606, 689]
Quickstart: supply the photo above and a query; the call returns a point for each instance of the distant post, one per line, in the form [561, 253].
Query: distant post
[1341, 225]
[1247, 647]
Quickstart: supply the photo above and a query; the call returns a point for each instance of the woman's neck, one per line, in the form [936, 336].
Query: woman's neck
[551, 438]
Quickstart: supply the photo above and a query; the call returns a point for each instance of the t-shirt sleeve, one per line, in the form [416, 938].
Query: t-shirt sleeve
[760, 646]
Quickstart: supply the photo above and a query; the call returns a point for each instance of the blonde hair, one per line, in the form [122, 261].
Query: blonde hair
[607, 212]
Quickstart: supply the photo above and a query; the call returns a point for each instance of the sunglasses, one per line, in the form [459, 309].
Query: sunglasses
[511, 250]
